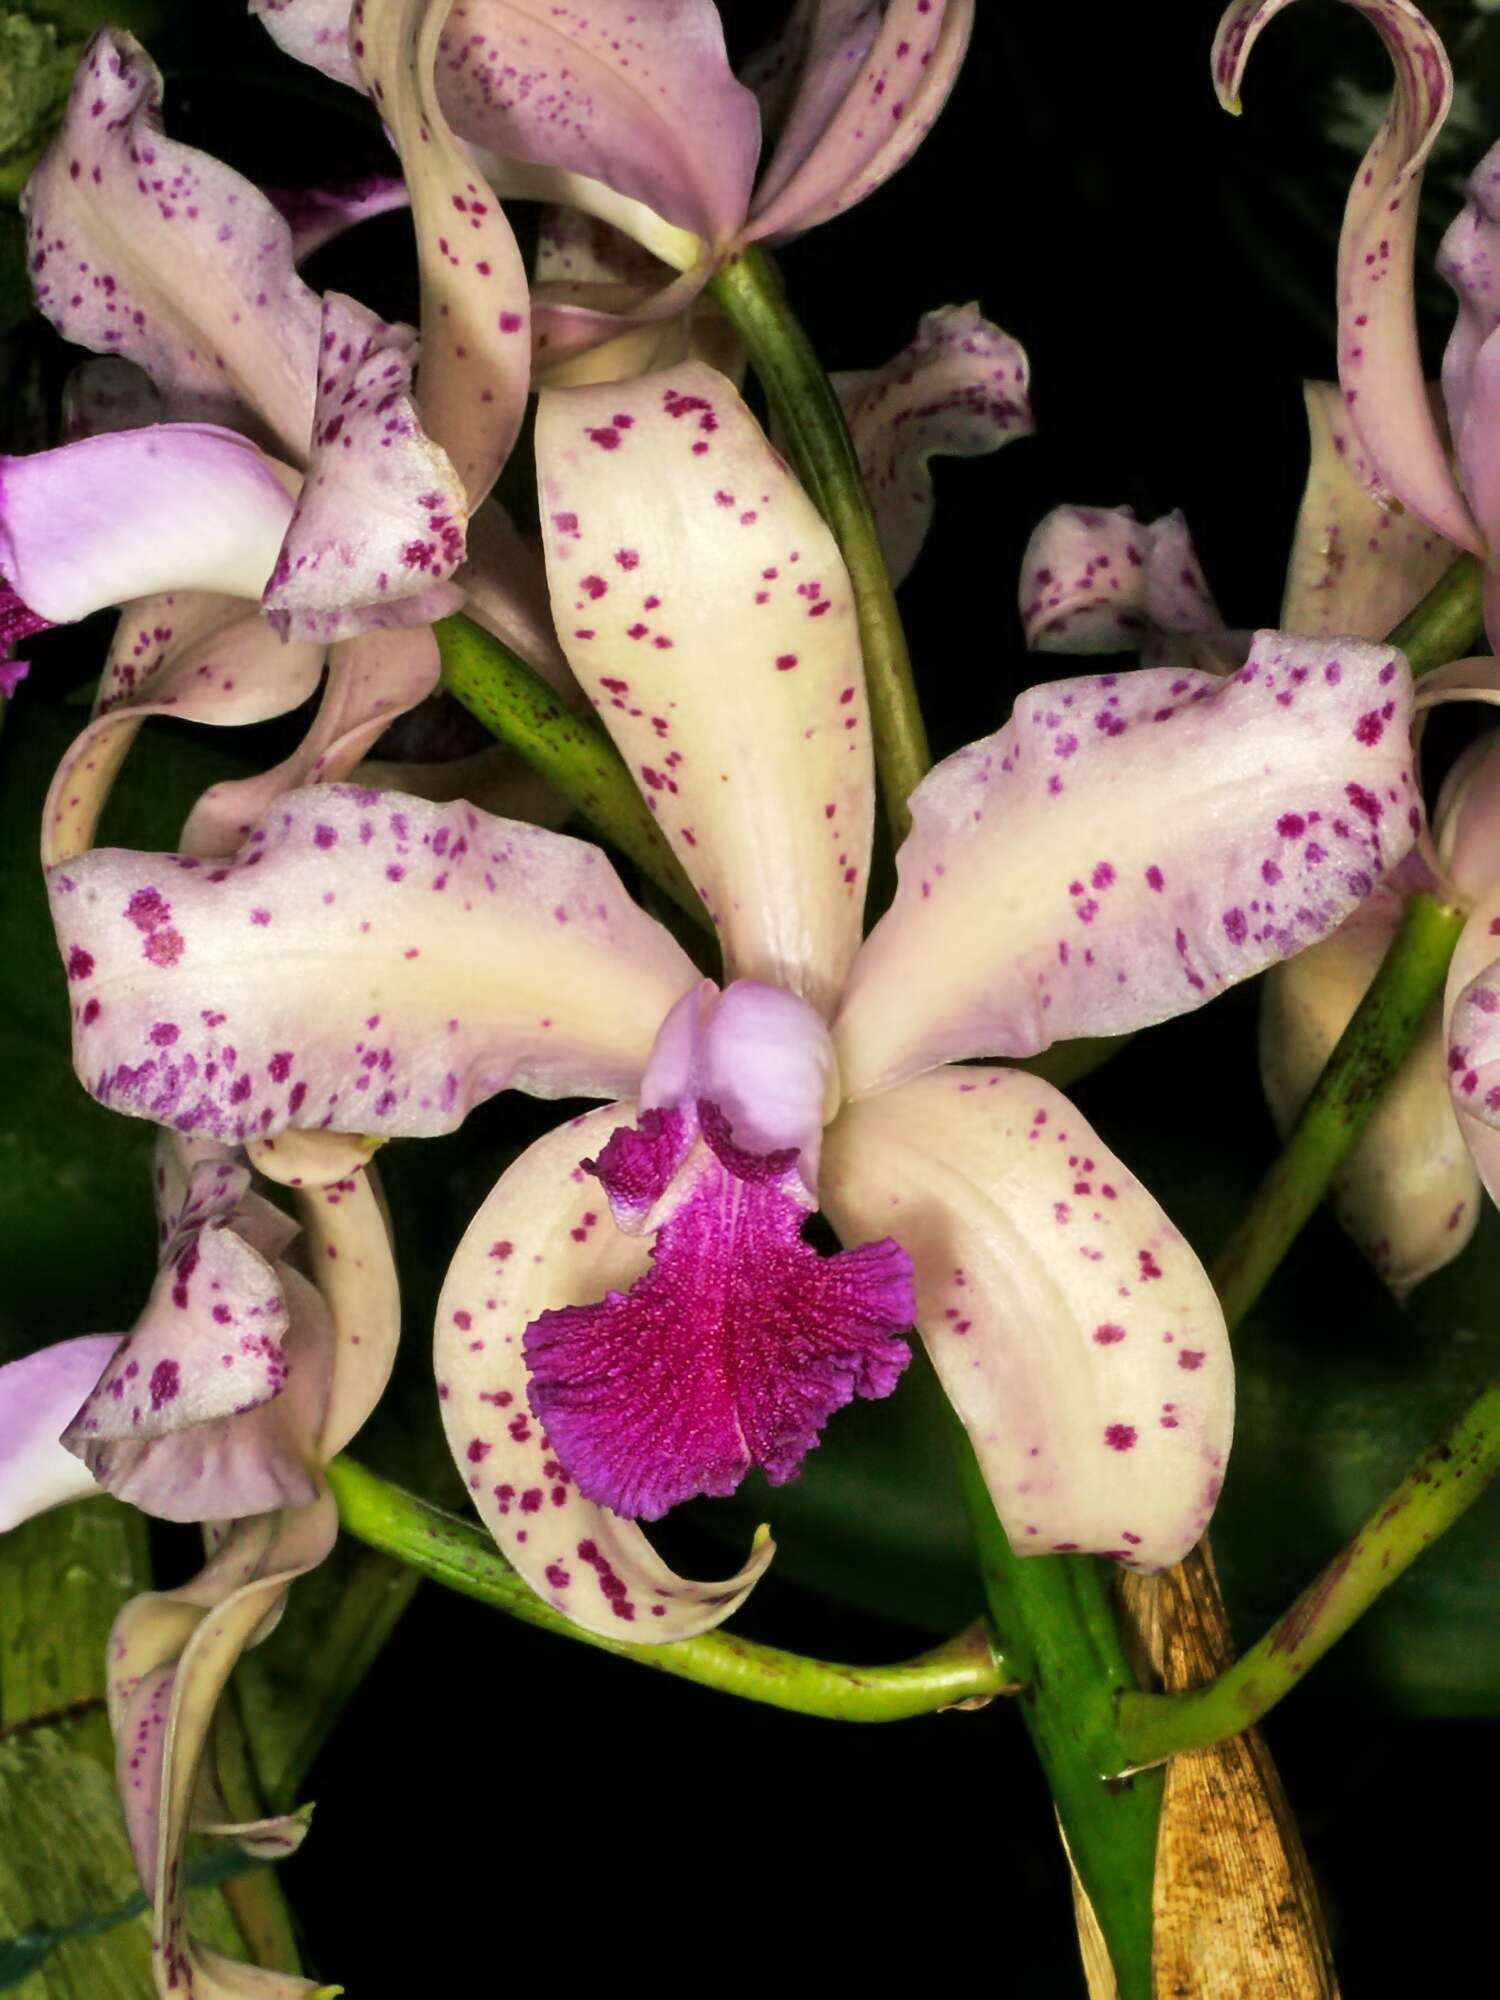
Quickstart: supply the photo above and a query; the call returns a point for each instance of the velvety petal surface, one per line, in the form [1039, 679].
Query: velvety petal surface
[146, 248]
[1097, 580]
[1075, 1332]
[707, 613]
[958, 391]
[738, 1343]
[192, 655]
[378, 526]
[1358, 562]
[368, 962]
[1408, 1193]
[839, 146]
[371, 680]
[476, 341]
[639, 98]
[38, 1395]
[1128, 846]
[1380, 367]
[128, 513]
[542, 1241]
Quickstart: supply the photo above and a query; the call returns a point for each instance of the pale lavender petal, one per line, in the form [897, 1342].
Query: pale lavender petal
[1097, 580]
[641, 99]
[109, 394]
[543, 1240]
[192, 656]
[378, 527]
[959, 390]
[1408, 1193]
[368, 963]
[371, 681]
[315, 32]
[1128, 846]
[1380, 367]
[149, 249]
[1358, 564]
[840, 147]
[1471, 364]
[706, 611]
[803, 74]
[1075, 1332]
[119, 516]
[476, 336]
[318, 215]
[38, 1395]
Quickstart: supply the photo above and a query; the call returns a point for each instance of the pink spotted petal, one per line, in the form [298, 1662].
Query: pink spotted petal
[192, 656]
[1471, 364]
[802, 75]
[149, 249]
[1357, 564]
[707, 613]
[319, 215]
[368, 963]
[1408, 1193]
[315, 32]
[543, 1240]
[1074, 1330]
[1471, 1018]
[38, 1395]
[349, 1252]
[1128, 846]
[733, 1349]
[127, 513]
[371, 681]
[476, 359]
[378, 527]
[172, 1654]
[1097, 580]
[640, 99]
[840, 145]
[958, 391]
[1380, 367]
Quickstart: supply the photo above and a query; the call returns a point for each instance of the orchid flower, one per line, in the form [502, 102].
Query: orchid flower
[1121, 850]
[237, 1384]
[655, 135]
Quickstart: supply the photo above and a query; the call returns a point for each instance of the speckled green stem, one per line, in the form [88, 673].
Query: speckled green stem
[812, 421]
[516, 705]
[462, 1556]
[1449, 621]
[1445, 1481]
[1365, 1058]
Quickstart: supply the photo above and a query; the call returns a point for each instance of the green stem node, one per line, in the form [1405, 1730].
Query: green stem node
[462, 1556]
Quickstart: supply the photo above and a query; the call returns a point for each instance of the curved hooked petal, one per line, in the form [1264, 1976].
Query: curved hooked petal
[1074, 1330]
[1466, 822]
[706, 611]
[372, 679]
[127, 513]
[540, 1243]
[1358, 563]
[183, 1647]
[315, 32]
[1380, 367]
[1408, 1193]
[1471, 364]
[194, 656]
[841, 144]
[1126, 847]
[476, 352]
[143, 247]
[349, 1252]
[802, 75]
[640, 99]
[959, 391]
[368, 962]
[378, 526]
[1097, 580]
[319, 215]
[38, 1395]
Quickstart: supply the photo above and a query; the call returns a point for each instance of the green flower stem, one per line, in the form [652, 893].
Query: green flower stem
[1448, 622]
[812, 421]
[1365, 1058]
[462, 1556]
[1062, 1642]
[1443, 1483]
[570, 748]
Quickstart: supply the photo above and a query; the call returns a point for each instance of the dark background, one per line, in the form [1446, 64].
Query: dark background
[497, 1800]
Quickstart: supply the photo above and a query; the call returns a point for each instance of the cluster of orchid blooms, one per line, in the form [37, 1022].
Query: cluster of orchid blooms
[279, 490]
